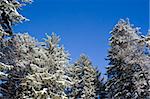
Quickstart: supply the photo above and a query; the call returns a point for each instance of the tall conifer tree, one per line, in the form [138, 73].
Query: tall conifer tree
[126, 73]
[86, 79]
[46, 79]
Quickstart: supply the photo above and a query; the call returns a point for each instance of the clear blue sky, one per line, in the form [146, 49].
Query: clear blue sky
[83, 25]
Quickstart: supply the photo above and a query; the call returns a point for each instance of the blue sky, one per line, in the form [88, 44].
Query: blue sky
[83, 25]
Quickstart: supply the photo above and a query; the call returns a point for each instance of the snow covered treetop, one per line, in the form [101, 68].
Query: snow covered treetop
[84, 60]
[123, 27]
[11, 7]
[9, 14]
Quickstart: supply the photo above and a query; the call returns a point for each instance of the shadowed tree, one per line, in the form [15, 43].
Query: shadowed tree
[86, 79]
[15, 52]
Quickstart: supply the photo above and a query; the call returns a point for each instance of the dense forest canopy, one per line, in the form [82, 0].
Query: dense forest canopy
[30, 69]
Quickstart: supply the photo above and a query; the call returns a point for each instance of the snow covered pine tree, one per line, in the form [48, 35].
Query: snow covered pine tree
[41, 70]
[38, 68]
[9, 15]
[46, 79]
[127, 73]
[15, 52]
[86, 79]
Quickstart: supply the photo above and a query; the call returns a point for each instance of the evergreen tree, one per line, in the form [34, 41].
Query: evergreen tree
[3, 76]
[9, 51]
[16, 53]
[86, 79]
[126, 73]
[30, 69]
[47, 77]
[9, 15]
